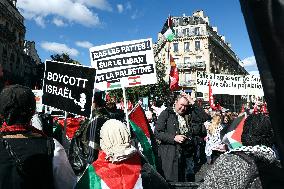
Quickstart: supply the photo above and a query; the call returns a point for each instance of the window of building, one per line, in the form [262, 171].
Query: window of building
[186, 46]
[198, 58]
[176, 60]
[175, 45]
[185, 32]
[197, 31]
[197, 45]
[7, 24]
[176, 32]
[188, 77]
[186, 60]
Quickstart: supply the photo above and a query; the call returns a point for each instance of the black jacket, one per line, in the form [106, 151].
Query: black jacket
[35, 154]
[167, 127]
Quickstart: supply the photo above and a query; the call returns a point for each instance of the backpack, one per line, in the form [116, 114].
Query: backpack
[78, 150]
[83, 149]
[24, 163]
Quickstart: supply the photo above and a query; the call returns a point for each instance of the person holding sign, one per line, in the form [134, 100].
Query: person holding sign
[85, 144]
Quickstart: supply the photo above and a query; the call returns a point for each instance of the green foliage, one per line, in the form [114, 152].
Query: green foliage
[64, 57]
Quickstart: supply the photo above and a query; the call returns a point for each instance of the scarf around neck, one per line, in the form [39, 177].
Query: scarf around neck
[18, 128]
[258, 151]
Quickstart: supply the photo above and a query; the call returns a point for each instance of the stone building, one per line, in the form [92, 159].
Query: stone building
[18, 58]
[198, 47]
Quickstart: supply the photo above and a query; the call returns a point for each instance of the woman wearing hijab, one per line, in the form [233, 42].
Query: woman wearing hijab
[119, 164]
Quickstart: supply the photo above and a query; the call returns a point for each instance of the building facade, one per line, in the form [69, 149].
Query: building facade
[18, 58]
[198, 47]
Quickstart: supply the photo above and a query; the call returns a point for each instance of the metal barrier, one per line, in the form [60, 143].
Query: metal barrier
[184, 185]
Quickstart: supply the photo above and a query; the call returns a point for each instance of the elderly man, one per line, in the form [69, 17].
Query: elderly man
[174, 132]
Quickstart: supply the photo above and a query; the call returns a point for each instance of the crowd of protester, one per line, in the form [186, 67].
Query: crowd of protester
[191, 145]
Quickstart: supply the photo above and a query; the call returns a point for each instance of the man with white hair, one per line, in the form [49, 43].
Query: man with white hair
[174, 130]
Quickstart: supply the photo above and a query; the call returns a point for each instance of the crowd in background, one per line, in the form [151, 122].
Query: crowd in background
[189, 138]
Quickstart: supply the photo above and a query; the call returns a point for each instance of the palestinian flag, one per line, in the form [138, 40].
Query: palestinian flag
[232, 134]
[141, 128]
[103, 174]
[134, 80]
[168, 31]
[114, 85]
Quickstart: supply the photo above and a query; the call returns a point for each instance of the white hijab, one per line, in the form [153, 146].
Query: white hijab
[115, 141]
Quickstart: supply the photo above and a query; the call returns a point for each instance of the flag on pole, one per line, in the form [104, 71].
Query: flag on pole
[103, 174]
[211, 98]
[243, 109]
[141, 128]
[168, 31]
[232, 134]
[174, 76]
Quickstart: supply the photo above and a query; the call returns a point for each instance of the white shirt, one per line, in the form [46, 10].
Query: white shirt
[63, 174]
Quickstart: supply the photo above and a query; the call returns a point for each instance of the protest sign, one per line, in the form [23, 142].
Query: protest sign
[124, 64]
[229, 84]
[38, 99]
[68, 87]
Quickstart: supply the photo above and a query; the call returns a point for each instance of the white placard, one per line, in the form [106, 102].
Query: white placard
[124, 64]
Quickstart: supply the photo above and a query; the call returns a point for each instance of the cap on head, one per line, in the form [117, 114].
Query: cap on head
[17, 104]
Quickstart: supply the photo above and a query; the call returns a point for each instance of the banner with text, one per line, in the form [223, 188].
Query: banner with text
[68, 87]
[128, 63]
[229, 84]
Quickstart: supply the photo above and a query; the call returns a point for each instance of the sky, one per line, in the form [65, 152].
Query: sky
[73, 26]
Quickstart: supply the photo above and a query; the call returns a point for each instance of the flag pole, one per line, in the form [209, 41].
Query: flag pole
[137, 104]
[234, 103]
[125, 107]
[169, 63]
[168, 59]
[64, 139]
